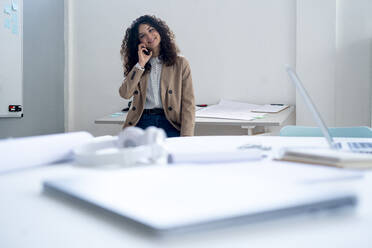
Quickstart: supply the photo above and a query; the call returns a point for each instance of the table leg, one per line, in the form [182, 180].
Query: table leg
[249, 129]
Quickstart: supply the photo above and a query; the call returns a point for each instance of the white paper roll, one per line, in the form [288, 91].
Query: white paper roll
[215, 157]
[26, 152]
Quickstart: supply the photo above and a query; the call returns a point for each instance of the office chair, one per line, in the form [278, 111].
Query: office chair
[303, 131]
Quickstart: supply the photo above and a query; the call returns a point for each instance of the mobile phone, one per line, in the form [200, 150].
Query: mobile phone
[147, 51]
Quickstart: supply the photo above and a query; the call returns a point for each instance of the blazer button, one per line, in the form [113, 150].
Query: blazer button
[136, 92]
[170, 108]
[134, 108]
[130, 123]
[170, 91]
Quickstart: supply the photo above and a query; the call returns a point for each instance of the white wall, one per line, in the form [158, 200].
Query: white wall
[43, 65]
[334, 60]
[354, 62]
[236, 50]
[315, 52]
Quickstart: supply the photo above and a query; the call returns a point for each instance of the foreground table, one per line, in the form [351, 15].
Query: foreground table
[31, 218]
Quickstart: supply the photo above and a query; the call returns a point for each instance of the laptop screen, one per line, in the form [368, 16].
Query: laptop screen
[309, 103]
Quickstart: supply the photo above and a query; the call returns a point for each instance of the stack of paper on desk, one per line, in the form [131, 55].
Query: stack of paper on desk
[270, 108]
[226, 109]
[337, 158]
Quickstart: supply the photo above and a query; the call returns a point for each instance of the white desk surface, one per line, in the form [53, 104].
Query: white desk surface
[30, 218]
[276, 119]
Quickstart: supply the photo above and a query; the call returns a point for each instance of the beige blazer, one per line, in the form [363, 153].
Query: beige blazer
[176, 92]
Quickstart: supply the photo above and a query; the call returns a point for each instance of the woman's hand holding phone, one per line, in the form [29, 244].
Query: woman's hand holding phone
[144, 54]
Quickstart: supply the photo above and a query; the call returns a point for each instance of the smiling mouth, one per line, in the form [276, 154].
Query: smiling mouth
[152, 41]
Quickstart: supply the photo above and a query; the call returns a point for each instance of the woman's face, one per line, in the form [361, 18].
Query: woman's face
[149, 36]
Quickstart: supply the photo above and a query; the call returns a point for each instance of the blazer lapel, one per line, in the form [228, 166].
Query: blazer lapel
[164, 80]
[143, 84]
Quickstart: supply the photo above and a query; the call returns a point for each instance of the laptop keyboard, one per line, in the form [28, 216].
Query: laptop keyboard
[362, 147]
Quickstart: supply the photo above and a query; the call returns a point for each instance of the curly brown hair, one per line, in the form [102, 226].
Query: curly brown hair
[129, 46]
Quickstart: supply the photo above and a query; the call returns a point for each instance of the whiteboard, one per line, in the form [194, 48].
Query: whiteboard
[11, 58]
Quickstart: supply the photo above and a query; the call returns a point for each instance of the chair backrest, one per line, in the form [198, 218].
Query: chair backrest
[303, 131]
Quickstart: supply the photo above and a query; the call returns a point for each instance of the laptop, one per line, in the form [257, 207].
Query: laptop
[359, 147]
[165, 200]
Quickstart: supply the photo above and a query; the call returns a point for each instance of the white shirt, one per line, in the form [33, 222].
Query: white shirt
[153, 99]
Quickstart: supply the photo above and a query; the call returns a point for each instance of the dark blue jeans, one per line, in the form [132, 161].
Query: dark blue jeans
[160, 121]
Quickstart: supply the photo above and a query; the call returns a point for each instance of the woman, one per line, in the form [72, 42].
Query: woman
[158, 79]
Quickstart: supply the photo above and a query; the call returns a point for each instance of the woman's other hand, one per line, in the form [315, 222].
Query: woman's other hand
[143, 58]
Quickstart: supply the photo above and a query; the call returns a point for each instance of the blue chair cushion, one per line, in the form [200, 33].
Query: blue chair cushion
[303, 131]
